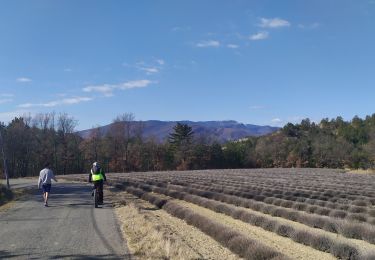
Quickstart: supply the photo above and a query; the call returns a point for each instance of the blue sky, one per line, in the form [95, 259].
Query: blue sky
[260, 62]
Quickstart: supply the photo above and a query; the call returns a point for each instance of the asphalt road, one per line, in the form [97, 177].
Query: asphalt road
[69, 228]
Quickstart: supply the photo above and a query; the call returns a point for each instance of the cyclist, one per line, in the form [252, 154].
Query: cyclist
[97, 176]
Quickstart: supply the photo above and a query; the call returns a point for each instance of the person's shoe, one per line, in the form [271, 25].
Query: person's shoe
[45, 205]
[100, 203]
[92, 193]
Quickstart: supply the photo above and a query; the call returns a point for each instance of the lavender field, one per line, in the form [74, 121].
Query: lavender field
[267, 213]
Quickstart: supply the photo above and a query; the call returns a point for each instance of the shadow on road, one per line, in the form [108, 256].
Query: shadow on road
[81, 257]
[8, 255]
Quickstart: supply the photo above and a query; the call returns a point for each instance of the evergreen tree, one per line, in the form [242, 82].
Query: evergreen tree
[181, 143]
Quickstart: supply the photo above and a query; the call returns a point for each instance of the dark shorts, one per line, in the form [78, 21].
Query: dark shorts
[46, 188]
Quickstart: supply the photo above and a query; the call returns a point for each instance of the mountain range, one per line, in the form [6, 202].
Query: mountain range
[221, 131]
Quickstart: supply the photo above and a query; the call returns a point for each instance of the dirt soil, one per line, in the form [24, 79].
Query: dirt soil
[152, 233]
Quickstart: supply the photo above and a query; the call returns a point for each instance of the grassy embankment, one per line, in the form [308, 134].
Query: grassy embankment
[5, 195]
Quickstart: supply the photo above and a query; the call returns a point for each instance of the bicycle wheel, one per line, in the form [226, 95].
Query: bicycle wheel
[96, 198]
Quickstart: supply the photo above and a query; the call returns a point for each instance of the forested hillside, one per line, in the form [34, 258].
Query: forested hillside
[331, 143]
[220, 131]
[31, 141]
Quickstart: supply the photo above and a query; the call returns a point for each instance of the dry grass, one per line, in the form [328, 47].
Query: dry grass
[144, 240]
[154, 234]
[7, 196]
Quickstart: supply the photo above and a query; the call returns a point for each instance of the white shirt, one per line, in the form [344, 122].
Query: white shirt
[45, 176]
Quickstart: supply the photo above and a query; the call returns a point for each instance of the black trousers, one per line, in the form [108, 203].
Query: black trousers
[98, 185]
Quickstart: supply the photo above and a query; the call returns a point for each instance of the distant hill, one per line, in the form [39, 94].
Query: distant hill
[220, 131]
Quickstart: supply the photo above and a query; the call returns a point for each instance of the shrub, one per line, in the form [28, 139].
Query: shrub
[248, 218]
[257, 206]
[332, 225]
[258, 251]
[331, 205]
[268, 209]
[240, 244]
[345, 251]
[279, 212]
[352, 230]
[369, 234]
[279, 196]
[324, 198]
[284, 230]
[371, 212]
[259, 198]
[237, 213]
[277, 202]
[299, 206]
[357, 217]
[300, 199]
[225, 235]
[338, 214]
[311, 209]
[222, 208]
[286, 204]
[269, 200]
[356, 209]
[292, 215]
[322, 243]
[312, 221]
[302, 237]
[360, 203]
[259, 221]
[269, 225]
[371, 221]
[323, 211]
[369, 256]
[320, 203]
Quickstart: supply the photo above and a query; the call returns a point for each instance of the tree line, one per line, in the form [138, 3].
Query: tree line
[29, 142]
[331, 143]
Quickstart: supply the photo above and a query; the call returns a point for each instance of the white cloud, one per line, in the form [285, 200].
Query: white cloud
[232, 46]
[259, 36]
[291, 119]
[135, 84]
[273, 23]
[24, 80]
[8, 116]
[150, 70]
[65, 101]
[6, 95]
[68, 70]
[107, 89]
[160, 61]
[206, 44]
[5, 100]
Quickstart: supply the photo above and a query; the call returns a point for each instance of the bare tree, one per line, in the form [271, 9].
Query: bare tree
[4, 158]
[65, 126]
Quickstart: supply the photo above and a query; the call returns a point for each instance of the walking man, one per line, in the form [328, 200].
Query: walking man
[45, 177]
